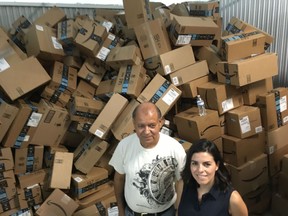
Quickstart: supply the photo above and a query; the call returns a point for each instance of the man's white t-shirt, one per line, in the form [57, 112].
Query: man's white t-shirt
[149, 173]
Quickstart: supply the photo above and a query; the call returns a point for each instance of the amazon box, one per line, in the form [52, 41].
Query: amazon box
[85, 89]
[204, 9]
[241, 45]
[249, 176]
[55, 96]
[7, 115]
[220, 97]
[6, 159]
[51, 17]
[191, 126]
[58, 203]
[108, 115]
[84, 185]
[161, 92]
[243, 121]
[90, 37]
[239, 151]
[62, 166]
[189, 89]
[30, 196]
[88, 153]
[66, 32]
[273, 108]
[197, 31]
[246, 71]
[42, 43]
[19, 79]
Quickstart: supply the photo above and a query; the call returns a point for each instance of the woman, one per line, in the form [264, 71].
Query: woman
[206, 187]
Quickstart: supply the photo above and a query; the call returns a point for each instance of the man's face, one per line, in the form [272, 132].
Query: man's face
[147, 126]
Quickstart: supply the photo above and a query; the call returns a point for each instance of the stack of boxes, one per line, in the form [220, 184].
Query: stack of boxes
[69, 86]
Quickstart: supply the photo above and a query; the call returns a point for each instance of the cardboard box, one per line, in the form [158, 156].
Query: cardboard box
[242, 45]
[153, 38]
[186, 144]
[103, 20]
[32, 178]
[8, 55]
[210, 54]
[220, 97]
[204, 9]
[243, 121]
[246, 71]
[58, 203]
[123, 125]
[55, 96]
[284, 167]
[137, 12]
[30, 196]
[88, 153]
[237, 25]
[130, 80]
[239, 151]
[49, 153]
[6, 159]
[91, 72]
[9, 199]
[179, 9]
[90, 37]
[276, 139]
[106, 89]
[28, 159]
[85, 89]
[16, 81]
[84, 109]
[189, 89]
[279, 205]
[64, 78]
[258, 201]
[51, 17]
[273, 108]
[53, 124]
[249, 176]
[161, 92]
[66, 32]
[84, 185]
[98, 196]
[42, 43]
[197, 31]
[252, 90]
[7, 115]
[275, 156]
[108, 115]
[162, 12]
[122, 56]
[192, 127]
[189, 73]
[62, 166]
[17, 133]
[281, 187]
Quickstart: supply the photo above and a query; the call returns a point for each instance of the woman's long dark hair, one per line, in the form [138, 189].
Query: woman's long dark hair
[222, 177]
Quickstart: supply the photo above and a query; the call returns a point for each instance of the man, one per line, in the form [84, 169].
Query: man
[147, 165]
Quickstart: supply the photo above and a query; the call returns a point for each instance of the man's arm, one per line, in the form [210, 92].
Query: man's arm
[119, 181]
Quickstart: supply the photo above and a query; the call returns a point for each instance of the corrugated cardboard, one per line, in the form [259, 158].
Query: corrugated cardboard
[204, 9]
[66, 31]
[30, 179]
[58, 203]
[6, 159]
[62, 166]
[55, 96]
[108, 115]
[51, 17]
[88, 153]
[243, 121]
[189, 89]
[161, 92]
[246, 71]
[19, 79]
[84, 89]
[191, 126]
[30, 196]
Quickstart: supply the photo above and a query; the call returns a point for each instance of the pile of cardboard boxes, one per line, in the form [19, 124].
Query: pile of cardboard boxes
[69, 86]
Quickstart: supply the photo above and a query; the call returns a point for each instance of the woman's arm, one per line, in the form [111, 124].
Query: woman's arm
[237, 205]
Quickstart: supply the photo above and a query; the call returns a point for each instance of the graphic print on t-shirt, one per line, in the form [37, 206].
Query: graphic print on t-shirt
[155, 180]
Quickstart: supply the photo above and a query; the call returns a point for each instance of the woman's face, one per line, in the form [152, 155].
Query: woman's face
[203, 168]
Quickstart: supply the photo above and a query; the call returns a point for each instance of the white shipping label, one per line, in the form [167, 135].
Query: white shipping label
[34, 119]
[107, 25]
[258, 129]
[27, 213]
[227, 105]
[245, 125]
[283, 103]
[78, 179]
[175, 80]
[170, 96]
[26, 138]
[99, 133]
[103, 53]
[3, 65]
[113, 211]
[56, 44]
[285, 119]
[167, 69]
[40, 28]
[183, 39]
[111, 37]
